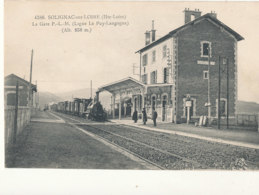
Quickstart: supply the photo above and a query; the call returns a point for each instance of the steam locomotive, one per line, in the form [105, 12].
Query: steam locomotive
[96, 112]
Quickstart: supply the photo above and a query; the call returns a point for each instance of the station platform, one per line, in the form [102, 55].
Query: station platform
[49, 141]
[238, 137]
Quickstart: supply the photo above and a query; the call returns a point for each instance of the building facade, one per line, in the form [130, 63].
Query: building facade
[183, 66]
[23, 93]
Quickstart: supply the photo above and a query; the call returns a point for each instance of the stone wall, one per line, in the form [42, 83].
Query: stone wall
[190, 74]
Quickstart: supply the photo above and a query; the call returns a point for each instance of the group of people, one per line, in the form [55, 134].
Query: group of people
[144, 116]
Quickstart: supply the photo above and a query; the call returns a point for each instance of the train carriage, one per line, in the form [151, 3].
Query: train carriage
[72, 107]
[69, 107]
[77, 104]
[66, 107]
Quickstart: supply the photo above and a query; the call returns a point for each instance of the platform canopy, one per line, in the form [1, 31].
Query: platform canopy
[124, 84]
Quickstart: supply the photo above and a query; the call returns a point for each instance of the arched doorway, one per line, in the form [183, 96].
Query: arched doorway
[164, 103]
[140, 102]
[127, 103]
[135, 103]
[153, 103]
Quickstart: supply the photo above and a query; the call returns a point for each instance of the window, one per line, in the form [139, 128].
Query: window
[222, 107]
[153, 77]
[145, 61]
[11, 99]
[144, 78]
[154, 56]
[205, 74]
[164, 51]
[205, 49]
[166, 75]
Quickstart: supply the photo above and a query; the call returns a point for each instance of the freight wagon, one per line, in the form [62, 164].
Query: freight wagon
[82, 107]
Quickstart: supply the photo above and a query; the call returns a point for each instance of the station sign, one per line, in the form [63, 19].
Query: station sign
[188, 103]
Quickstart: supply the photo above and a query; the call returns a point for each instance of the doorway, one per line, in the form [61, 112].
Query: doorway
[164, 103]
[128, 107]
[191, 110]
[135, 103]
[153, 103]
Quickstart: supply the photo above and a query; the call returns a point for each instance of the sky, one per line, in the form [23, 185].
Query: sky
[68, 61]
[63, 62]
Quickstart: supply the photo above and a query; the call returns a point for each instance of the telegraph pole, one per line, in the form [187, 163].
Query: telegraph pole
[36, 95]
[30, 91]
[16, 112]
[219, 96]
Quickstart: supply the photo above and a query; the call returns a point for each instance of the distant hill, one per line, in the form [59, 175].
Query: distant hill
[47, 97]
[247, 107]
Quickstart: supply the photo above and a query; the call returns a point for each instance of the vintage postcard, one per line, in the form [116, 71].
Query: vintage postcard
[105, 86]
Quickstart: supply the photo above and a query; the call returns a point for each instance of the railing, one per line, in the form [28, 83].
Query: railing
[23, 118]
[244, 119]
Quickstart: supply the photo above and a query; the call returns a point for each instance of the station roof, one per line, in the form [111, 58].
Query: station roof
[15, 78]
[123, 84]
[206, 16]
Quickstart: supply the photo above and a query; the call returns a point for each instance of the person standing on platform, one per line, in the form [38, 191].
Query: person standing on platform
[154, 117]
[144, 116]
[135, 116]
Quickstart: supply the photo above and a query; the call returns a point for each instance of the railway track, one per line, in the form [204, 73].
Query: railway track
[136, 157]
[161, 157]
[153, 155]
[169, 152]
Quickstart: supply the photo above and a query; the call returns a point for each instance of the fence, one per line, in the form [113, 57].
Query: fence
[23, 118]
[247, 119]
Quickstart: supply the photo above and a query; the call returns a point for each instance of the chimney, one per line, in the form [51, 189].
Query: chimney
[190, 15]
[147, 36]
[153, 32]
[213, 14]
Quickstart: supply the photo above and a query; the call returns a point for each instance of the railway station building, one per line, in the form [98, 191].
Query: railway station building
[24, 89]
[182, 66]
